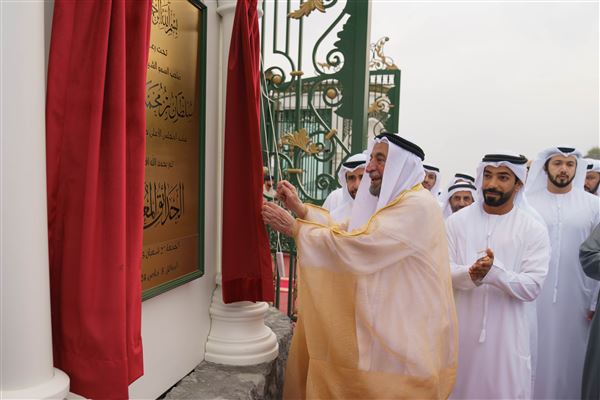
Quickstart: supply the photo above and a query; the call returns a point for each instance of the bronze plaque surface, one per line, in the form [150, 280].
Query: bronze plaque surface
[173, 128]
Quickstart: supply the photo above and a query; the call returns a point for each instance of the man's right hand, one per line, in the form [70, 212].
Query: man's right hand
[481, 267]
[286, 192]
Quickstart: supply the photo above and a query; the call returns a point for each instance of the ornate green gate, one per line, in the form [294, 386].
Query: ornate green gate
[312, 123]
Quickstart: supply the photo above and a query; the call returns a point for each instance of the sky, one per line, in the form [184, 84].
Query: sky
[479, 77]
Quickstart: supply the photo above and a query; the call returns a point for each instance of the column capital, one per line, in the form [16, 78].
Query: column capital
[227, 7]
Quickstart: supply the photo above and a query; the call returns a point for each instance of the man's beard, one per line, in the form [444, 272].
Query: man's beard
[353, 193]
[592, 191]
[375, 190]
[504, 197]
[561, 182]
[456, 208]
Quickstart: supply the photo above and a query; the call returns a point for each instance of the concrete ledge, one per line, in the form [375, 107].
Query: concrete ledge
[253, 382]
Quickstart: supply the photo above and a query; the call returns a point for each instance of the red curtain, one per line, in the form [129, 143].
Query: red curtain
[95, 138]
[247, 272]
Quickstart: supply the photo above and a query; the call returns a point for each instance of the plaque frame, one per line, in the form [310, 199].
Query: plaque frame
[199, 271]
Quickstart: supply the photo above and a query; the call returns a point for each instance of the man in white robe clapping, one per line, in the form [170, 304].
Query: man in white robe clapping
[499, 256]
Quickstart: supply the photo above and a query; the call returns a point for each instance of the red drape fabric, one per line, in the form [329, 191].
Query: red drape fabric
[246, 269]
[95, 138]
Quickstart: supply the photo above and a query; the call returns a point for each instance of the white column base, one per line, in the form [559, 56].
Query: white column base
[238, 334]
[55, 388]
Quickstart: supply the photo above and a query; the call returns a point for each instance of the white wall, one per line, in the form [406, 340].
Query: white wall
[175, 324]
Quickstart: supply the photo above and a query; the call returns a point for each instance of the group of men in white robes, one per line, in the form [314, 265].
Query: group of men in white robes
[524, 326]
[523, 302]
[459, 193]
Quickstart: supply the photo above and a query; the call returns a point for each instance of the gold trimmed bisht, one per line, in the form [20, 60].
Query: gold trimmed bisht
[376, 315]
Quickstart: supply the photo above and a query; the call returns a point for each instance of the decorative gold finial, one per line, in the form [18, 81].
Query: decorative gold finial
[380, 61]
[306, 8]
[381, 104]
[331, 134]
[301, 140]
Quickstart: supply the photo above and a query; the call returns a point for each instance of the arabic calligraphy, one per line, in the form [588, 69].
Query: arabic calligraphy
[160, 50]
[160, 249]
[163, 202]
[171, 243]
[157, 162]
[158, 272]
[169, 135]
[164, 17]
[153, 64]
[166, 105]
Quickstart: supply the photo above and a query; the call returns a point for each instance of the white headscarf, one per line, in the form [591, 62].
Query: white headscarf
[460, 177]
[538, 178]
[520, 170]
[342, 211]
[593, 165]
[361, 162]
[451, 190]
[435, 190]
[403, 170]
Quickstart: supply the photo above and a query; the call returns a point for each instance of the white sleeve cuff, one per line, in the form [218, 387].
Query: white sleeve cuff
[461, 278]
[496, 274]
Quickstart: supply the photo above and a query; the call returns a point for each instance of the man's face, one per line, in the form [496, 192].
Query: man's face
[376, 166]
[268, 185]
[429, 181]
[561, 170]
[353, 179]
[460, 200]
[592, 180]
[499, 186]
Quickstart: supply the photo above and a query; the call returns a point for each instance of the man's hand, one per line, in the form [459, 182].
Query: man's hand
[481, 267]
[278, 218]
[286, 192]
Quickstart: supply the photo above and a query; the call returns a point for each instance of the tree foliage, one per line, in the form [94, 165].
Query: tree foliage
[594, 153]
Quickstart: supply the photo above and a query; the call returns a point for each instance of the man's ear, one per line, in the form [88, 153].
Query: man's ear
[518, 185]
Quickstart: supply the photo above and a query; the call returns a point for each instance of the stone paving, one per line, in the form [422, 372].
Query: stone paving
[211, 381]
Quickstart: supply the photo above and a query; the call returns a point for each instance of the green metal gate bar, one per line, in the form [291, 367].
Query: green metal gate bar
[314, 123]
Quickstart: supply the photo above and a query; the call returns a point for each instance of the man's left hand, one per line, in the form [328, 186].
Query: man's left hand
[479, 270]
[278, 218]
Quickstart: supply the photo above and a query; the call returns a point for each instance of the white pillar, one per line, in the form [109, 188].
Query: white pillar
[238, 334]
[26, 341]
